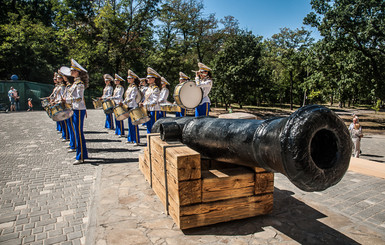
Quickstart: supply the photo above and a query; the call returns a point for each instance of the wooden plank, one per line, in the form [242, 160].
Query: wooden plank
[184, 192]
[226, 210]
[264, 183]
[221, 165]
[183, 163]
[227, 183]
[144, 168]
[159, 190]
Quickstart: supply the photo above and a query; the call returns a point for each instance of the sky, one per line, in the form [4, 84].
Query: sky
[263, 17]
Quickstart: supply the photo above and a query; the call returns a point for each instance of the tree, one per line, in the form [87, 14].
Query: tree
[286, 50]
[354, 25]
[237, 68]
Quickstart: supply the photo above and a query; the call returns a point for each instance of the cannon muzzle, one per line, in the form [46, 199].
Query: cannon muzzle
[311, 147]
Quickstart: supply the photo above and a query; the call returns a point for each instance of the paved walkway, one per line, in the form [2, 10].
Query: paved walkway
[44, 199]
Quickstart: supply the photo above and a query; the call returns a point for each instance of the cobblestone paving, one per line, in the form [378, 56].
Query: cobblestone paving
[44, 199]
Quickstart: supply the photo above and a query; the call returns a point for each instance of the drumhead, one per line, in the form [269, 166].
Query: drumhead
[190, 95]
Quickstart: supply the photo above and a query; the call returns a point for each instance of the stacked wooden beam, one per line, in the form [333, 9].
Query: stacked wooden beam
[198, 192]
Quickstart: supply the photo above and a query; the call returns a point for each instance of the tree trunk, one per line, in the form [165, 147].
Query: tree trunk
[291, 90]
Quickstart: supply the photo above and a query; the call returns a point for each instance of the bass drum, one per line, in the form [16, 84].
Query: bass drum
[139, 115]
[188, 95]
[108, 106]
[121, 112]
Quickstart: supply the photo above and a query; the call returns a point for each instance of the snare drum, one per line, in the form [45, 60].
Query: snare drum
[61, 111]
[138, 115]
[188, 95]
[45, 103]
[121, 112]
[97, 104]
[108, 106]
[170, 107]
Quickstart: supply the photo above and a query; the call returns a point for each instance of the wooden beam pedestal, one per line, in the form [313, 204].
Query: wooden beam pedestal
[198, 192]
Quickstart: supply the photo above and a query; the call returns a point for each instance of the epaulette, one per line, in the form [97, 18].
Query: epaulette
[118, 86]
[78, 80]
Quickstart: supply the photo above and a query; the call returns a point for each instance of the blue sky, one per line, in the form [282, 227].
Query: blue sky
[263, 17]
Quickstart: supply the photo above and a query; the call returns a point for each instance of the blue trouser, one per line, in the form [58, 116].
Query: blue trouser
[71, 131]
[109, 121]
[202, 110]
[182, 113]
[58, 126]
[162, 114]
[119, 127]
[133, 132]
[78, 121]
[64, 130]
[154, 116]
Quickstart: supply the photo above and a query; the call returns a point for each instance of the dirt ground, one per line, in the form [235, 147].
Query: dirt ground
[371, 122]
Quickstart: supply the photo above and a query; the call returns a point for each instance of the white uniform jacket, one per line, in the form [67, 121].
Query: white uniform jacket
[118, 94]
[54, 92]
[151, 98]
[76, 95]
[205, 84]
[163, 95]
[130, 96]
[60, 92]
[107, 92]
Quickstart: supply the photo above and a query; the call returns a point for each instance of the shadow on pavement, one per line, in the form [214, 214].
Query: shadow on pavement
[290, 216]
[96, 150]
[369, 155]
[95, 132]
[97, 161]
[102, 140]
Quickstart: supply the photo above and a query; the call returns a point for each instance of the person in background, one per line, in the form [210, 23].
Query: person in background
[151, 98]
[76, 98]
[182, 78]
[30, 105]
[356, 134]
[11, 97]
[164, 92]
[203, 79]
[118, 98]
[17, 99]
[107, 93]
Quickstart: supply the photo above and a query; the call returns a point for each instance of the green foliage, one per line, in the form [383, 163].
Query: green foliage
[237, 68]
[109, 36]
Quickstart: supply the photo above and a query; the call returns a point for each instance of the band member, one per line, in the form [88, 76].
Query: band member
[182, 78]
[164, 92]
[65, 72]
[107, 93]
[151, 98]
[203, 80]
[59, 97]
[52, 99]
[118, 98]
[76, 95]
[130, 100]
[143, 86]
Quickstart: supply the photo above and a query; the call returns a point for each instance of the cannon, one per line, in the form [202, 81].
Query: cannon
[311, 147]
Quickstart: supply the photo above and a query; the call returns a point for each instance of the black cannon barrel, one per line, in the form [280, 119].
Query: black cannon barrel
[311, 147]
